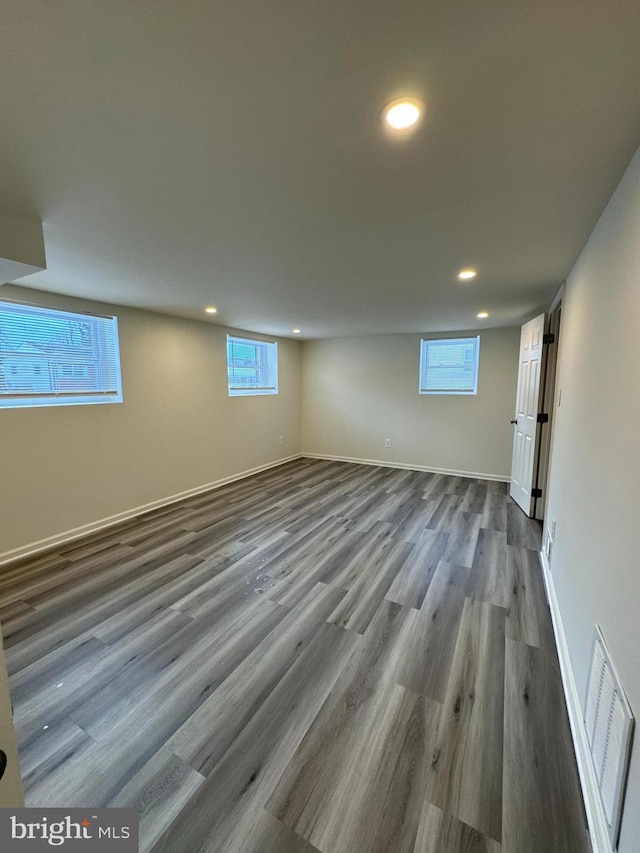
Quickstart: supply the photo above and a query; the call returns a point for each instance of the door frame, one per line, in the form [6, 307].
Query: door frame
[548, 403]
[11, 794]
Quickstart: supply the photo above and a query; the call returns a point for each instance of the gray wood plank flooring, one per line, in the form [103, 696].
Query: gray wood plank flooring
[321, 658]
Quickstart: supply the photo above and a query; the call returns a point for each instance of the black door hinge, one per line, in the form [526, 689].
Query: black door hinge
[543, 418]
[549, 338]
[536, 493]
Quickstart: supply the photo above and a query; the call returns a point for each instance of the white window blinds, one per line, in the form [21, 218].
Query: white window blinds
[53, 358]
[252, 366]
[449, 366]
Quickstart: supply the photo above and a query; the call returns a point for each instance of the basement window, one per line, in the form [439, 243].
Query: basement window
[252, 367]
[57, 358]
[449, 366]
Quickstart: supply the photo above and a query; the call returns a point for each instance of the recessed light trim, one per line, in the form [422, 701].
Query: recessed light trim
[467, 274]
[482, 315]
[296, 331]
[403, 114]
[211, 310]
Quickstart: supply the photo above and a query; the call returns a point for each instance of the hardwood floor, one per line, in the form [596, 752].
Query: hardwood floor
[322, 657]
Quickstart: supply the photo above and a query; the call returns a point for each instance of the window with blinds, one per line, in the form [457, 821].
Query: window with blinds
[57, 358]
[449, 366]
[252, 366]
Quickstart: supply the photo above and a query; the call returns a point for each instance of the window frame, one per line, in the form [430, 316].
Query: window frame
[98, 361]
[423, 368]
[269, 356]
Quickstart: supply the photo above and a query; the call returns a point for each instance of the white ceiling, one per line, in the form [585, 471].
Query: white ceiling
[230, 152]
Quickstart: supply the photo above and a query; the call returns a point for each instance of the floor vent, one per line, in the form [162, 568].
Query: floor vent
[609, 724]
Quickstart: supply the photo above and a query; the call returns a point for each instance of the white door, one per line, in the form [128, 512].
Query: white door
[10, 782]
[525, 423]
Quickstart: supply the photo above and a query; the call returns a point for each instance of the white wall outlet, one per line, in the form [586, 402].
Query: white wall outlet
[281, 439]
[548, 546]
[387, 442]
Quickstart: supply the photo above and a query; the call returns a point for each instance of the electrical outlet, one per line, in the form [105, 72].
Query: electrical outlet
[387, 442]
[549, 537]
[281, 439]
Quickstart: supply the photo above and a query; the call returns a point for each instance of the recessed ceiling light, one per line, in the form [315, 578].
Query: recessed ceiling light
[403, 113]
[211, 310]
[483, 315]
[296, 331]
[467, 275]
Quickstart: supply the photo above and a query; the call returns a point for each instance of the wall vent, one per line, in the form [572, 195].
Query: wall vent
[609, 724]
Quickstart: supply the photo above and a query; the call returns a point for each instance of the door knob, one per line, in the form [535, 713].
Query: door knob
[514, 422]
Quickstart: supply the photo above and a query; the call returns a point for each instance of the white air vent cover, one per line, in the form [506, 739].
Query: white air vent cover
[609, 724]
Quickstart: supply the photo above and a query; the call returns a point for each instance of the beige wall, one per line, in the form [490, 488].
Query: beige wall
[595, 469]
[63, 467]
[359, 391]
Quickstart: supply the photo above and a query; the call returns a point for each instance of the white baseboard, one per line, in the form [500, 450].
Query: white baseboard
[592, 802]
[501, 478]
[102, 524]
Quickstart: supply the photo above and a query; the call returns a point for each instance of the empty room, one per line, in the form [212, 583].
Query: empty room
[318, 426]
